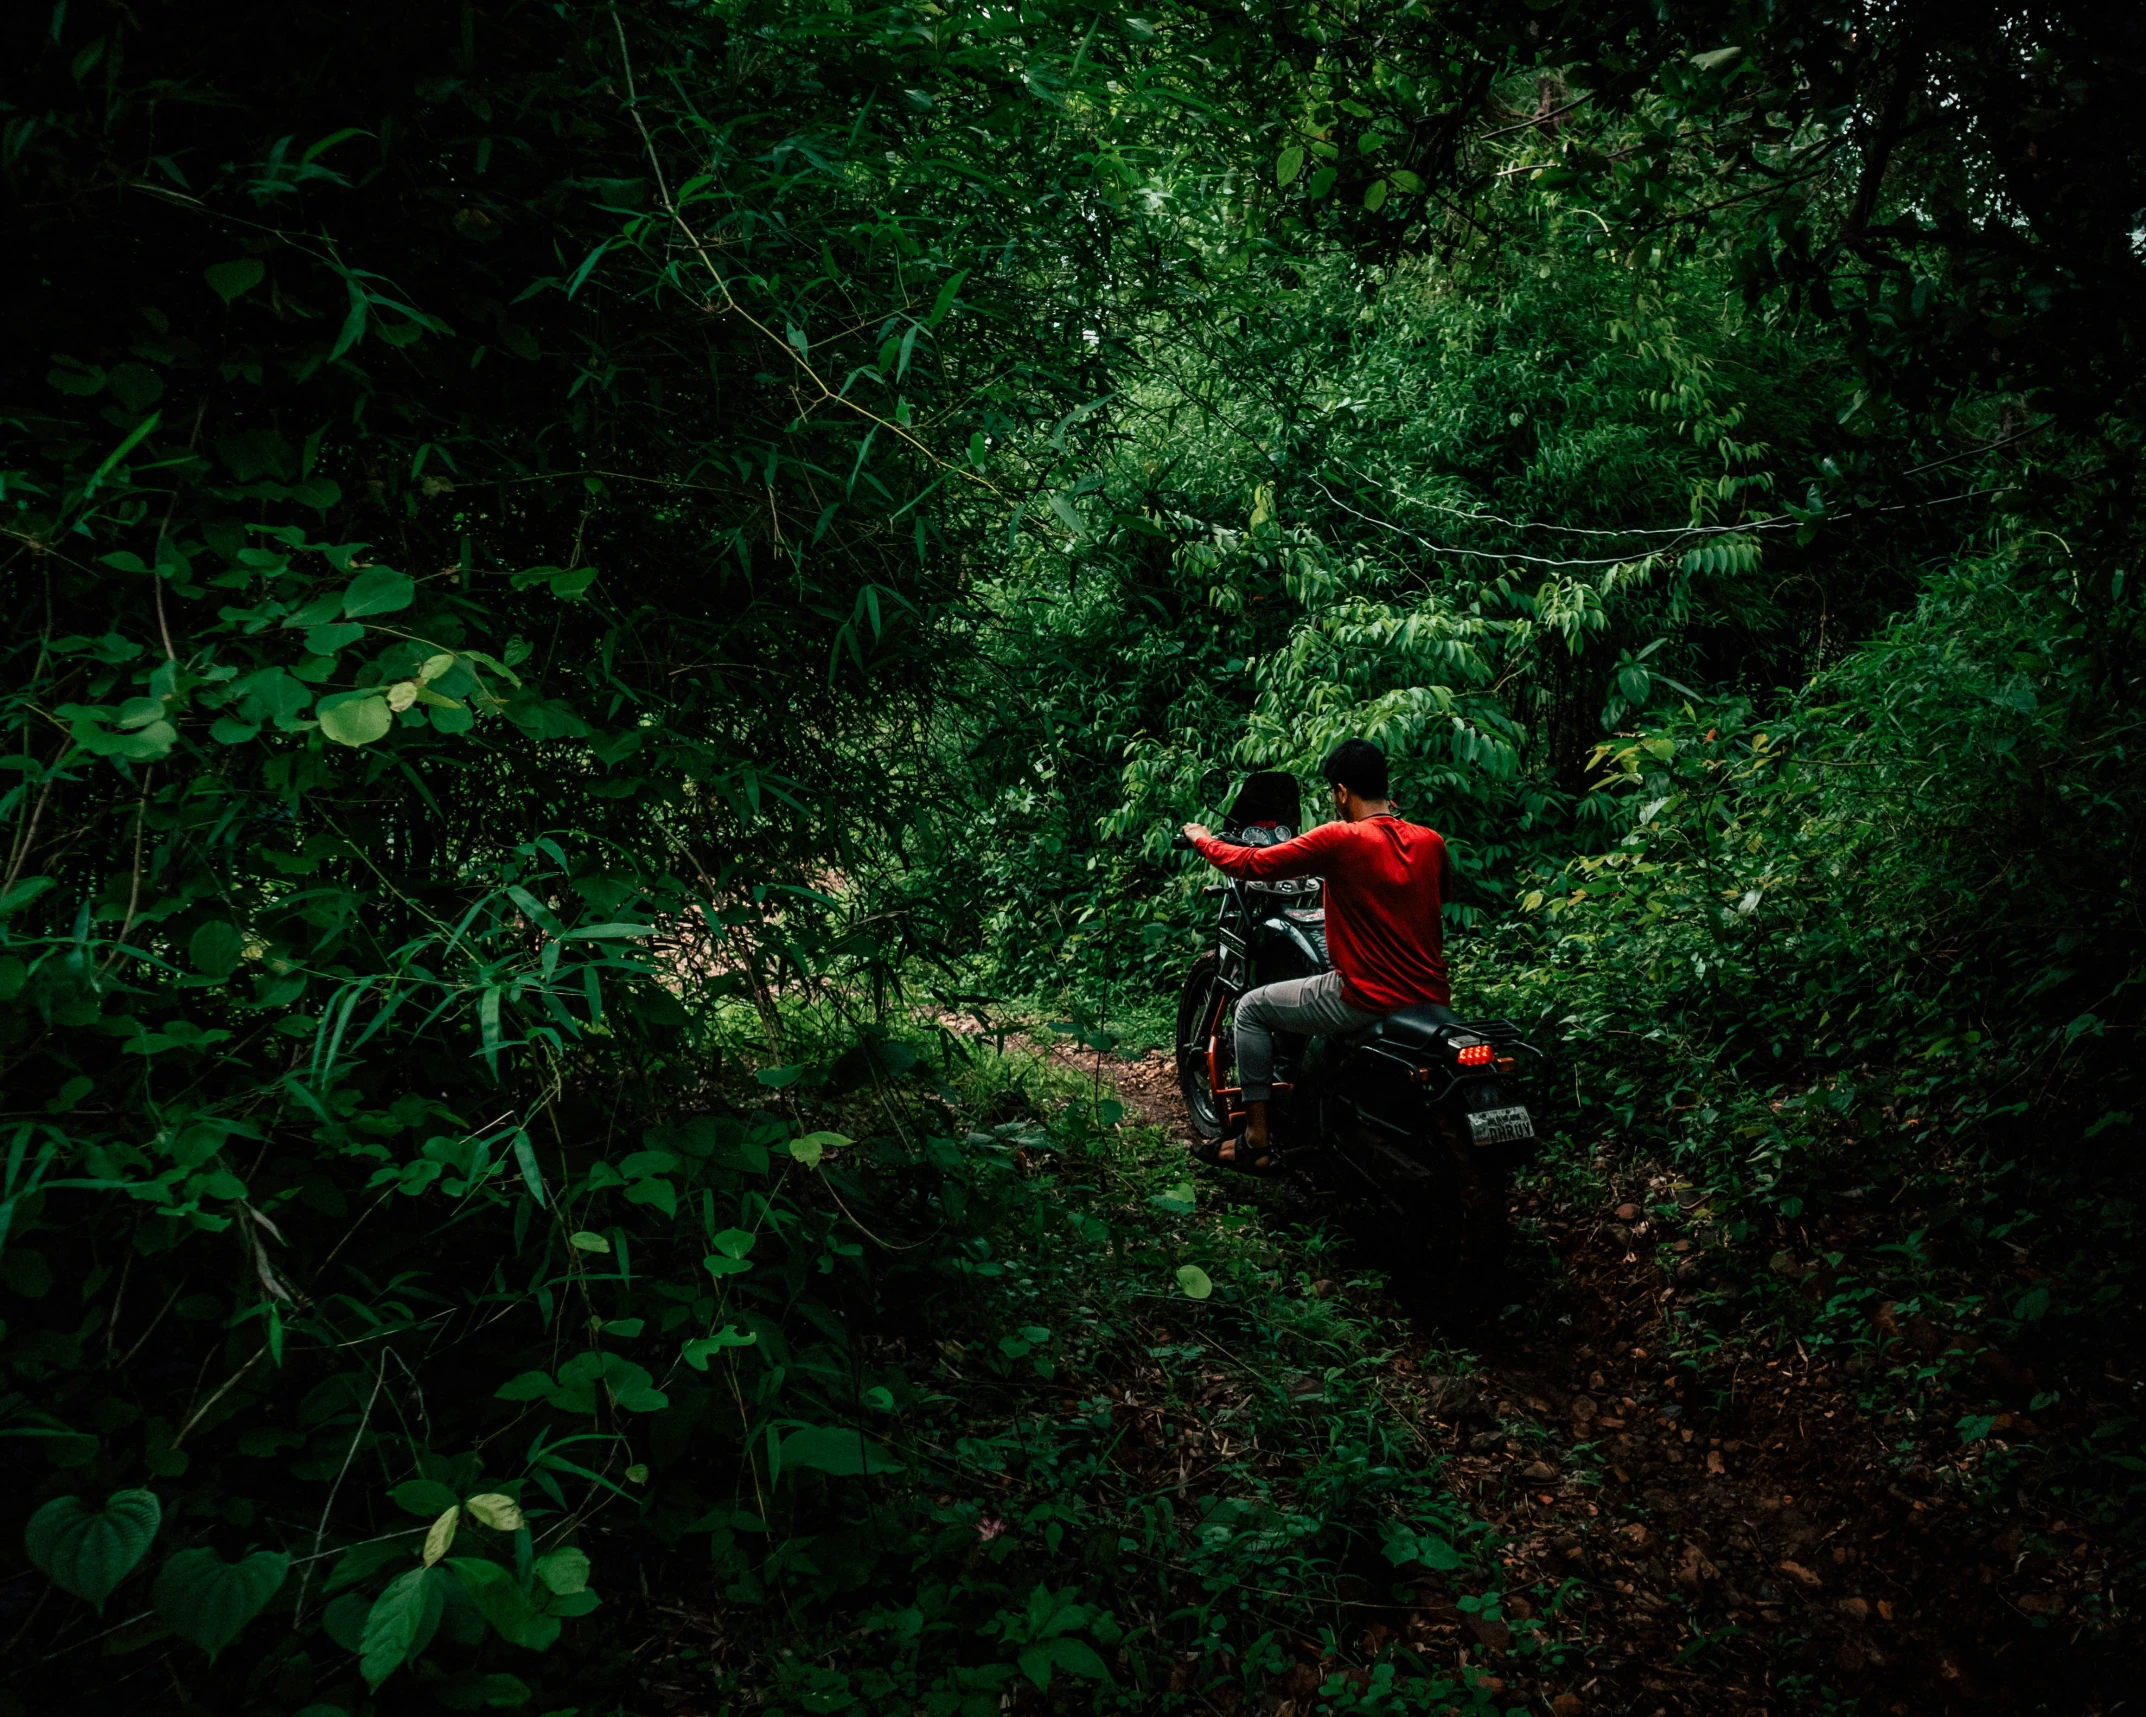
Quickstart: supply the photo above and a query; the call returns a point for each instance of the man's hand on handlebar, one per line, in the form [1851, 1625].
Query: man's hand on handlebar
[1192, 832]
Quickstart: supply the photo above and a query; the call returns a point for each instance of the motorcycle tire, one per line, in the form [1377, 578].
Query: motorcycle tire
[1203, 1010]
[1470, 1253]
[1442, 1220]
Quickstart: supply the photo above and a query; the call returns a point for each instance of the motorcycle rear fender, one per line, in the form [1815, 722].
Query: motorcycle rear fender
[1377, 1063]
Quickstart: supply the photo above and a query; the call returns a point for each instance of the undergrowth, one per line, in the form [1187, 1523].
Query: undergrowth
[1151, 1460]
[905, 1375]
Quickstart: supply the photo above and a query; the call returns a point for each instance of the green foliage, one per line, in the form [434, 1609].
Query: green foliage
[561, 559]
[89, 1553]
[207, 1600]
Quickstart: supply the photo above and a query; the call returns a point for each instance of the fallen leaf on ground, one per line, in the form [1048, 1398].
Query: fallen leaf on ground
[1490, 1630]
[1451, 1397]
[1797, 1571]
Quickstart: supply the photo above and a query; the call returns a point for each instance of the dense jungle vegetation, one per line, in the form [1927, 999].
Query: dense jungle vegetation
[613, 606]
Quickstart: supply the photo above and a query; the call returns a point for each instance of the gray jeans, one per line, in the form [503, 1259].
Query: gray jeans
[1312, 1007]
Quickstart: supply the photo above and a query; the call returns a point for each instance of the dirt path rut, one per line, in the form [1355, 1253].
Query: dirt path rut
[1718, 1536]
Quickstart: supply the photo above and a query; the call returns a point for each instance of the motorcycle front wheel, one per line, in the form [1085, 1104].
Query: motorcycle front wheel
[1203, 1016]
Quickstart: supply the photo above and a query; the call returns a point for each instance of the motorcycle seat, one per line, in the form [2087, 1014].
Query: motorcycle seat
[1420, 1025]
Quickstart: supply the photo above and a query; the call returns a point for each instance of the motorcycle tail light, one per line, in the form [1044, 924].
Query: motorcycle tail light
[1507, 1063]
[1477, 1055]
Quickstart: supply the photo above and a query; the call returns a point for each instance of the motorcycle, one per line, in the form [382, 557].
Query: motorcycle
[1419, 1114]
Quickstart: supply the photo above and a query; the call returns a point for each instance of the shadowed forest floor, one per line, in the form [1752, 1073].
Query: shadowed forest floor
[1729, 1536]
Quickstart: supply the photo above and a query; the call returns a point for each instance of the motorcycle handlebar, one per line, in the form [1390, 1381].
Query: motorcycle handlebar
[1181, 842]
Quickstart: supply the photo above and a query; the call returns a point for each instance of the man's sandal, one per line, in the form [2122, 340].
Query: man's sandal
[1210, 1153]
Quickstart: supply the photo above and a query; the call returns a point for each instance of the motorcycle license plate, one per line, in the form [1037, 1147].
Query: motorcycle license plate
[1501, 1126]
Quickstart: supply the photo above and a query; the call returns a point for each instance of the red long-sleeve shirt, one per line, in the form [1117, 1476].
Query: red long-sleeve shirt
[1386, 885]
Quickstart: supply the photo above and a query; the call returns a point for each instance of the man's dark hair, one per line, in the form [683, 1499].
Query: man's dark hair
[1358, 765]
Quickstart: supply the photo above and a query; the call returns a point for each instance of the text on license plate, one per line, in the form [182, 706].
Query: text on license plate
[1501, 1126]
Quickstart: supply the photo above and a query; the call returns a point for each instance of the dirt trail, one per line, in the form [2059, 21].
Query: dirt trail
[1740, 1538]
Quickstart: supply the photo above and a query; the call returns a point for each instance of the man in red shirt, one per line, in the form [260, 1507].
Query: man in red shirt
[1387, 883]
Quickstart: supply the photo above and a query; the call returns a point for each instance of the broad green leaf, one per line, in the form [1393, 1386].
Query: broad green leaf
[502, 1602]
[424, 1496]
[500, 1513]
[582, 1240]
[399, 1625]
[88, 1553]
[343, 1621]
[1375, 196]
[146, 744]
[1404, 1544]
[582, 1368]
[734, 1242]
[441, 1538]
[1289, 165]
[232, 280]
[1434, 1552]
[1071, 1655]
[215, 948]
[631, 1387]
[809, 1149]
[835, 1449]
[270, 694]
[355, 719]
[564, 1571]
[326, 640]
[363, 1561]
[203, 1598]
[378, 590]
[1194, 1281]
